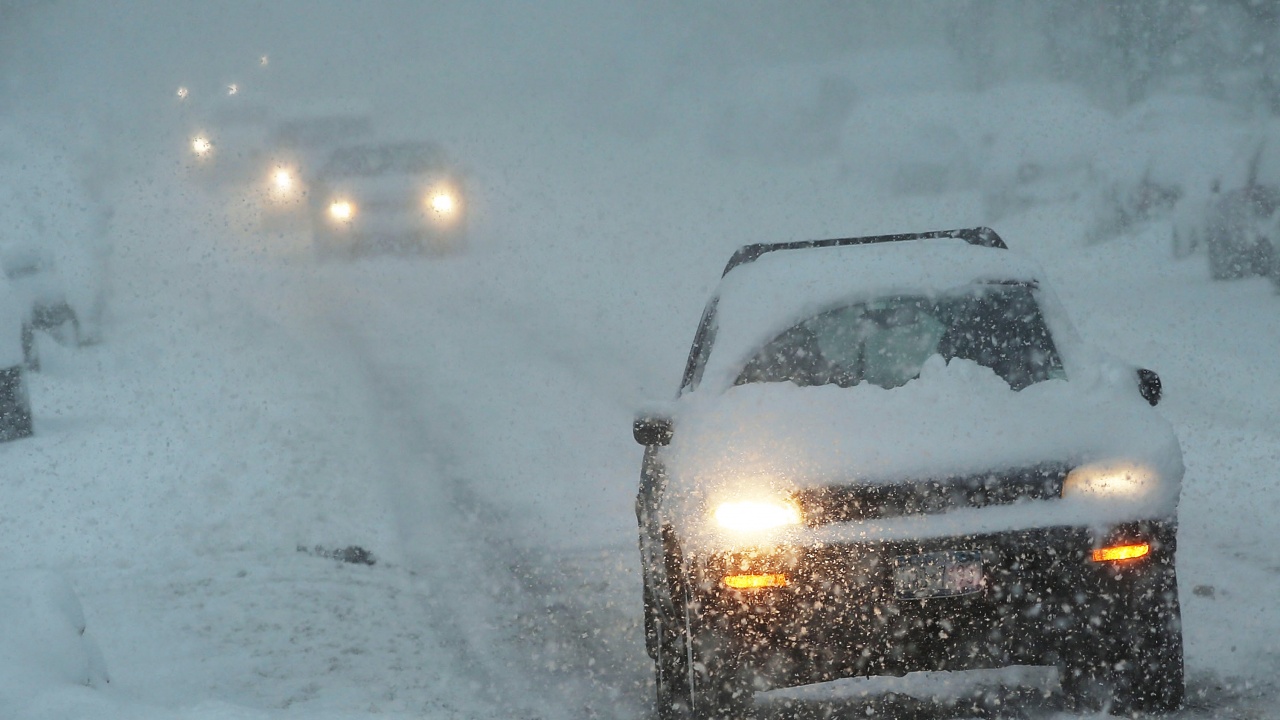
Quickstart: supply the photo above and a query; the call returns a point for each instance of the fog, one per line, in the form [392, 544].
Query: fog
[245, 411]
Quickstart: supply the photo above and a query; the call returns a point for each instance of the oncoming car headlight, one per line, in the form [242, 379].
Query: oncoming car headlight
[442, 202]
[1119, 480]
[756, 515]
[342, 210]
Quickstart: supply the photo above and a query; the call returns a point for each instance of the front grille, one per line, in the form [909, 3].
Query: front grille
[834, 504]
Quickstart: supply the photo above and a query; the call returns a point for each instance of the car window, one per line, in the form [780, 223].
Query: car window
[886, 341]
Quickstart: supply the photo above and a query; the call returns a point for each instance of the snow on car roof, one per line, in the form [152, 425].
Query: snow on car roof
[761, 299]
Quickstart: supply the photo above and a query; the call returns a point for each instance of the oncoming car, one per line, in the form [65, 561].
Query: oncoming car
[894, 454]
[296, 147]
[387, 198]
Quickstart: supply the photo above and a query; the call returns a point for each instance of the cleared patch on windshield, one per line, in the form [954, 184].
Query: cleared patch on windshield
[886, 341]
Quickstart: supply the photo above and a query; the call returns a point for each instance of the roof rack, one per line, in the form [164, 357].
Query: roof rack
[981, 236]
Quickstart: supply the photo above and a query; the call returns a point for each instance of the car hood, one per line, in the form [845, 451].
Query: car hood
[955, 419]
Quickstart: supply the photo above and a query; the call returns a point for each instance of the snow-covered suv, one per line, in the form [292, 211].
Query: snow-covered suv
[894, 454]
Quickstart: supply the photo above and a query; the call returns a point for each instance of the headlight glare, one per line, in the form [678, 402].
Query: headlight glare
[342, 210]
[442, 203]
[1112, 480]
[757, 515]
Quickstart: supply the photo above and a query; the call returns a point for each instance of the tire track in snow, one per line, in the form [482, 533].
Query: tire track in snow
[527, 627]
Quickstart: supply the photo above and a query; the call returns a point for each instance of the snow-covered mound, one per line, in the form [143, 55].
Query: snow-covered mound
[43, 640]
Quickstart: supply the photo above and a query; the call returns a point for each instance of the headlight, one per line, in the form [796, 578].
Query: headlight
[756, 515]
[442, 203]
[1119, 480]
[282, 179]
[342, 210]
[201, 145]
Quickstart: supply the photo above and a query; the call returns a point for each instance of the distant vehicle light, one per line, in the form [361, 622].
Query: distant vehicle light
[283, 179]
[263, 60]
[183, 92]
[232, 89]
[201, 146]
[342, 210]
[443, 203]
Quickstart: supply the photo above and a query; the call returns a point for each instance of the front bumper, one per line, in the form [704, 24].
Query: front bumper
[840, 616]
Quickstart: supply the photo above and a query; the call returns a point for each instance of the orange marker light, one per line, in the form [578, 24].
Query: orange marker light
[751, 582]
[1121, 552]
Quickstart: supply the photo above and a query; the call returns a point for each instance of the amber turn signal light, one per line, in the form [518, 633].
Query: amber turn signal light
[1121, 552]
[751, 582]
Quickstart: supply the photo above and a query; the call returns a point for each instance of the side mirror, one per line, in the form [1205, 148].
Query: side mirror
[649, 430]
[1149, 385]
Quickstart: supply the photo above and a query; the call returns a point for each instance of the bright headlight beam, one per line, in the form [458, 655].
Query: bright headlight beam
[442, 203]
[342, 210]
[1113, 480]
[283, 179]
[201, 145]
[755, 515]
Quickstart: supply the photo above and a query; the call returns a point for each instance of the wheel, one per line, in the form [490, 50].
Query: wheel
[1134, 661]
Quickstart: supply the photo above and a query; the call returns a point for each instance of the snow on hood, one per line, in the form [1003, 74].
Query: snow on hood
[955, 419]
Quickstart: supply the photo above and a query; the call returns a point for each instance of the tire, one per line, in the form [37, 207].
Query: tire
[1136, 664]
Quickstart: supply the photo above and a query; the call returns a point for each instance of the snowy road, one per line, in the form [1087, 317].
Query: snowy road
[503, 525]
[501, 456]
[468, 422]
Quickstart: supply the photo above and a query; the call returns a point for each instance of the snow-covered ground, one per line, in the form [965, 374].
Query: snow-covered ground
[466, 420]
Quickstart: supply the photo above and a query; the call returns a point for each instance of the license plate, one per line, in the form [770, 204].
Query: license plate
[938, 574]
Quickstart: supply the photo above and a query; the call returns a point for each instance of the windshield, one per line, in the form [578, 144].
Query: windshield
[368, 161]
[886, 341]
